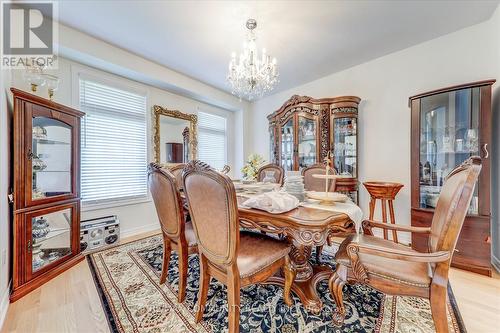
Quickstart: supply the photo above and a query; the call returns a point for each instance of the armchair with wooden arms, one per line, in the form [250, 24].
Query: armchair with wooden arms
[397, 269]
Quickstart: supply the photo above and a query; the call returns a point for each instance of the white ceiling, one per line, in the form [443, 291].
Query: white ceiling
[310, 39]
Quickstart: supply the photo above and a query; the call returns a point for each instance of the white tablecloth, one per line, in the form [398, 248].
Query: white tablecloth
[349, 208]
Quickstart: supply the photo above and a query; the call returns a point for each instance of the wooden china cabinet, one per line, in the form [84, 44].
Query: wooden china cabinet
[304, 129]
[448, 126]
[46, 197]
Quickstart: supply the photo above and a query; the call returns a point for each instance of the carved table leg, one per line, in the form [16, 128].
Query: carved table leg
[306, 279]
[300, 254]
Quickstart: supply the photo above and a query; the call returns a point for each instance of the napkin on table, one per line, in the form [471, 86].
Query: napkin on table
[273, 202]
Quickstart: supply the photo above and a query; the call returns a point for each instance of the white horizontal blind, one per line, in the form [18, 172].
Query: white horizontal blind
[114, 146]
[212, 140]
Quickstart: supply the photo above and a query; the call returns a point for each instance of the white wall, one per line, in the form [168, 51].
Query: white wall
[384, 85]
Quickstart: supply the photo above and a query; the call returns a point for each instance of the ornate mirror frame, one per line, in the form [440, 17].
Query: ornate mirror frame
[193, 136]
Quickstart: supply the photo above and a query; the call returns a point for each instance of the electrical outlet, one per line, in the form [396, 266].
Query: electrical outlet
[4, 257]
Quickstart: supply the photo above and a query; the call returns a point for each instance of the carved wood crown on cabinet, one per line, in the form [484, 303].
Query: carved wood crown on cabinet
[322, 112]
[473, 250]
[40, 128]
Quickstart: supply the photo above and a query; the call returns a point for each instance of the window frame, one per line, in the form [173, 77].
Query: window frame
[80, 72]
[226, 132]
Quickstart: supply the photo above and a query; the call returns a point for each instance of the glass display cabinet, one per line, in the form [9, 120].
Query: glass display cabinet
[46, 195]
[448, 126]
[295, 133]
[344, 143]
[304, 129]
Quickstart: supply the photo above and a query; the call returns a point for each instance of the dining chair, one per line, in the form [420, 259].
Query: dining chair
[317, 184]
[234, 258]
[396, 269]
[278, 173]
[225, 170]
[176, 170]
[176, 231]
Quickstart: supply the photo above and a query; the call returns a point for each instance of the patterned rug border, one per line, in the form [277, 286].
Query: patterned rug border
[456, 311]
[104, 300]
[112, 324]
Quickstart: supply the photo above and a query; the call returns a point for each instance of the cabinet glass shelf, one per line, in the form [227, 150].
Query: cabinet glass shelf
[51, 158]
[50, 142]
[51, 237]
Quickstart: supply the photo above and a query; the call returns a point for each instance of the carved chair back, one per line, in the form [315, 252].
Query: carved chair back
[453, 204]
[317, 184]
[176, 170]
[225, 170]
[278, 173]
[214, 212]
[167, 200]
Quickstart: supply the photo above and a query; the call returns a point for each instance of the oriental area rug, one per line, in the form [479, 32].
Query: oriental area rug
[127, 280]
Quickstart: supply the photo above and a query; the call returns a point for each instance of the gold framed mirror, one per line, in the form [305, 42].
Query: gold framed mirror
[174, 136]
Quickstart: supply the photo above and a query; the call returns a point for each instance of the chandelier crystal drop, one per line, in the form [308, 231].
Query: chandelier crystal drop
[251, 75]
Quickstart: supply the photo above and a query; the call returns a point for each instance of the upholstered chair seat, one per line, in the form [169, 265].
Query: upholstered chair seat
[380, 268]
[269, 249]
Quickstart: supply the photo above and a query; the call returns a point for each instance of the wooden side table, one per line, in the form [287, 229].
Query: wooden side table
[386, 192]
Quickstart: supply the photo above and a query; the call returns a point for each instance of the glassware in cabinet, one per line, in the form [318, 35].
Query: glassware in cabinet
[287, 145]
[51, 158]
[449, 134]
[50, 238]
[345, 146]
[307, 142]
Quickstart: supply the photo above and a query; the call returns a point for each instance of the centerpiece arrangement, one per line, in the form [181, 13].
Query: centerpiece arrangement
[252, 165]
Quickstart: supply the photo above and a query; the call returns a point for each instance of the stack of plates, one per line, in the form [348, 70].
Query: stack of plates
[294, 184]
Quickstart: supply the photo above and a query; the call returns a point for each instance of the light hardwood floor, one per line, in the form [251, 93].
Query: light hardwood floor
[70, 303]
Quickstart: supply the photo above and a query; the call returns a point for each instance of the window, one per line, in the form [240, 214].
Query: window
[114, 146]
[212, 140]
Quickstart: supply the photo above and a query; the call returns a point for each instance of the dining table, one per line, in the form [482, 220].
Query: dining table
[304, 227]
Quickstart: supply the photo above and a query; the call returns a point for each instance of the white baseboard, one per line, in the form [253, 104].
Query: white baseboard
[139, 230]
[496, 263]
[4, 305]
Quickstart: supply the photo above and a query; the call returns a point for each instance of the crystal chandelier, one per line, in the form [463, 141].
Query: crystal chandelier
[251, 75]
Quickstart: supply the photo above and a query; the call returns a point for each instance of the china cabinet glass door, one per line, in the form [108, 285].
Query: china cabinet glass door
[50, 237]
[345, 146]
[50, 158]
[449, 134]
[287, 145]
[272, 156]
[307, 142]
